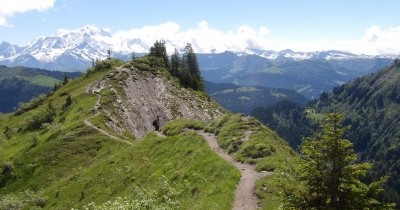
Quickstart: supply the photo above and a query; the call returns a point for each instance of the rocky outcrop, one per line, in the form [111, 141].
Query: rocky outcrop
[141, 96]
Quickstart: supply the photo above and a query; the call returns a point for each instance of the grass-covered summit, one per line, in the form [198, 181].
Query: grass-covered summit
[90, 143]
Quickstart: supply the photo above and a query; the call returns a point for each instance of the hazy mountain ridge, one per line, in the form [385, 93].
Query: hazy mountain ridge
[309, 77]
[326, 55]
[72, 50]
[244, 99]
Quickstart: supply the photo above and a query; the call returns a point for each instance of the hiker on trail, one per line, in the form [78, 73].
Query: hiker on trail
[156, 124]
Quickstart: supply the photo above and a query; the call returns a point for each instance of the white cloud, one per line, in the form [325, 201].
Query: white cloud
[374, 41]
[9, 8]
[3, 21]
[206, 39]
[203, 38]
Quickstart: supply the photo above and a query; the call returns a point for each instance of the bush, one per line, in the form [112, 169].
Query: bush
[9, 132]
[6, 174]
[24, 200]
[10, 202]
[34, 198]
[32, 104]
[68, 102]
[36, 120]
[256, 150]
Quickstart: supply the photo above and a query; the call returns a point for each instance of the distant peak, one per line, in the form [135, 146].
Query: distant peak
[87, 29]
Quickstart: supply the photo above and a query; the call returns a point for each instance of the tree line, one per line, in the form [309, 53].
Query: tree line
[183, 66]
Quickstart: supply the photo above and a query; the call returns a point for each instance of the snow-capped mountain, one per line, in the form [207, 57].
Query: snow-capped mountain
[72, 50]
[66, 50]
[289, 54]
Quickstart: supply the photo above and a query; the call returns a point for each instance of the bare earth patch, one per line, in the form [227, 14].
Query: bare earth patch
[244, 195]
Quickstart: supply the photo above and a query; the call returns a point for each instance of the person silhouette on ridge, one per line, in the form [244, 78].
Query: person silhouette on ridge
[156, 124]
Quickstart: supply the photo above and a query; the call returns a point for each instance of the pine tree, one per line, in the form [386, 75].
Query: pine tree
[159, 50]
[175, 63]
[133, 57]
[185, 78]
[68, 102]
[66, 79]
[190, 62]
[328, 178]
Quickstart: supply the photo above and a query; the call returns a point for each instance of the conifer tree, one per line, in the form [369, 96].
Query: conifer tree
[68, 102]
[159, 50]
[175, 63]
[190, 62]
[185, 78]
[328, 178]
[66, 79]
[133, 57]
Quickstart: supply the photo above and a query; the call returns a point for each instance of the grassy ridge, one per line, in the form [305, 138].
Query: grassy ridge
[184, 160]
[264, 148]
[73, 165]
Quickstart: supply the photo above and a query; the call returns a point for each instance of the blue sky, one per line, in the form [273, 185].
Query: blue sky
[293, 24]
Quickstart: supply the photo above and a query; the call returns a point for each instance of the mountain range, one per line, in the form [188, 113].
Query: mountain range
[320, 72]
[67, 50]
[309, 73]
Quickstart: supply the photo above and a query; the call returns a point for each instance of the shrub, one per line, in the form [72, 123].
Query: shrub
[6, 174]
[9, 132]
[10, 202]
[68, 102]
[256, 150]
[32, 104]
[24, 200]
[34, 198]
[38, 119]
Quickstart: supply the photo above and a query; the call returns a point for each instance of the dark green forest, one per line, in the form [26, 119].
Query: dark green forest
[287, 119]
[185, 67]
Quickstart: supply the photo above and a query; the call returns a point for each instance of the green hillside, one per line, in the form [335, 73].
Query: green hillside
[236, 98]
[89, 142]
[20, 84]
[371, 105]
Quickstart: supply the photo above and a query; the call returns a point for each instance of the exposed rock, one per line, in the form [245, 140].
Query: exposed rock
[142, 96]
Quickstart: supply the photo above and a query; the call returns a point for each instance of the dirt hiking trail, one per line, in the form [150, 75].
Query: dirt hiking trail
[245, 199]
[96, 90]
